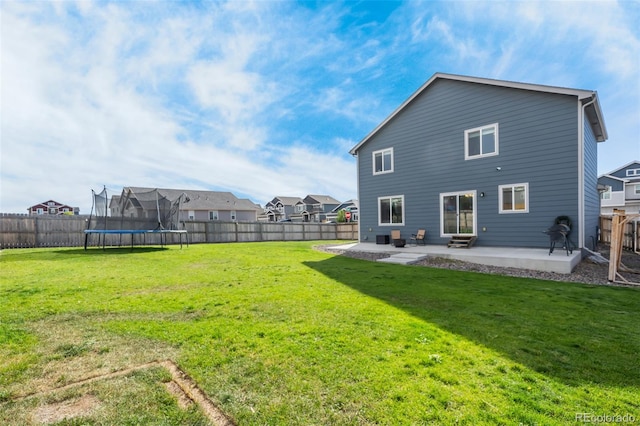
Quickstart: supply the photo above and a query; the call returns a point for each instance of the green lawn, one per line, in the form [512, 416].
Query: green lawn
[278, 333]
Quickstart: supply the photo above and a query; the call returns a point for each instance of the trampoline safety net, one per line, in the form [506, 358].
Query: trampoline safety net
[135, 210]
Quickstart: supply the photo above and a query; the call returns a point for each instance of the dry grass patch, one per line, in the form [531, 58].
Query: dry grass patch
[64, 410]
[72, 347]
[79, 400]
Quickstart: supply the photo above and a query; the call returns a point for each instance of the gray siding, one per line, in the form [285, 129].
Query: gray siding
[615, 184]
[538, 144]
[591, 195]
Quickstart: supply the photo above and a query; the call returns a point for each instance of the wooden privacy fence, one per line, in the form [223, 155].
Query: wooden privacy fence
[23, 231]
[630, 236]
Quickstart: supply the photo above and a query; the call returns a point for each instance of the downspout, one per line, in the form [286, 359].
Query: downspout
[581, 142]
[355, 155]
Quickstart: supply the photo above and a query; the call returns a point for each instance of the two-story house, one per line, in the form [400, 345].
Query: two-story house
[621, 189]
[315, 208]
[54, 208]
[281, 208]
[195, 204]
[494, 159]
[312, 208]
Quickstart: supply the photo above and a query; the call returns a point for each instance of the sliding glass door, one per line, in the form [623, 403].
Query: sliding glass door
[457, 213]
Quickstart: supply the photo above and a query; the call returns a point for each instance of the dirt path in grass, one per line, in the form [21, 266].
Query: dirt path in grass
[183, 387]
[73, 350]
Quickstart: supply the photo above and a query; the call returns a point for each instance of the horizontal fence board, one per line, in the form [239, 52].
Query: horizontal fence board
[22, 231]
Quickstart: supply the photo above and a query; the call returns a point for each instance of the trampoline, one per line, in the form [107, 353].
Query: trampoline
[133, 232]
[140, 213]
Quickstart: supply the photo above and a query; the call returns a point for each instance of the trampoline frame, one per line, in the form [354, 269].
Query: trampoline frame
[132, 232]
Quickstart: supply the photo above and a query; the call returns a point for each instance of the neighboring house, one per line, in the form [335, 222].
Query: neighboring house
[350, 206]
[495, 159]
[195, 205]
[621, 189]
[53, 207]
[314, 208]
[281, 208]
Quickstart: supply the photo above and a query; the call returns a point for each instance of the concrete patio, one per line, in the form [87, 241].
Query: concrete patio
[510, 257]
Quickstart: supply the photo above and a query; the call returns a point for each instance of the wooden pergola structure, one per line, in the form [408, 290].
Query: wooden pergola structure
[620, 218]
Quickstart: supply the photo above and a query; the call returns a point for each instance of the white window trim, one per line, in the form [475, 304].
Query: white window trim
[214, 215]
[403, 210]
[526, 198]
[466, 142]
[474, 194]
[637, 189]
[606, 194]
[633, 172]
[373, 161]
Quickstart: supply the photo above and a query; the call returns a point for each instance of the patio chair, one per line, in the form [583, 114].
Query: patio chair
[418, 238]
[396, 240]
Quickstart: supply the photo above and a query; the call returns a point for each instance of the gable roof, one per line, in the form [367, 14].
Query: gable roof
[320, 199]
[636, 162]
[587, 97]
[56, 204]
[287, 201]
[204, 200]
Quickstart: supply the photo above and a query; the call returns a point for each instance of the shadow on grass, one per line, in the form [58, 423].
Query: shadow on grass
[573, 332]
[90, 251]
[53, 254]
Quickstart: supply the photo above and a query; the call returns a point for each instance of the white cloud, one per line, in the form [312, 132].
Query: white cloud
[262, 98]
[225, 88]
[82, 107]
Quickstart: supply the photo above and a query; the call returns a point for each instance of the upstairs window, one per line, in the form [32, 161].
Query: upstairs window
[213, 215]
[633, 172]
[481, 142]
[606, 194]
[514, 198]
[383, 161]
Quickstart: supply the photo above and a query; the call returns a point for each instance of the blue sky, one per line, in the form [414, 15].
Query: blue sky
[266, 98]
